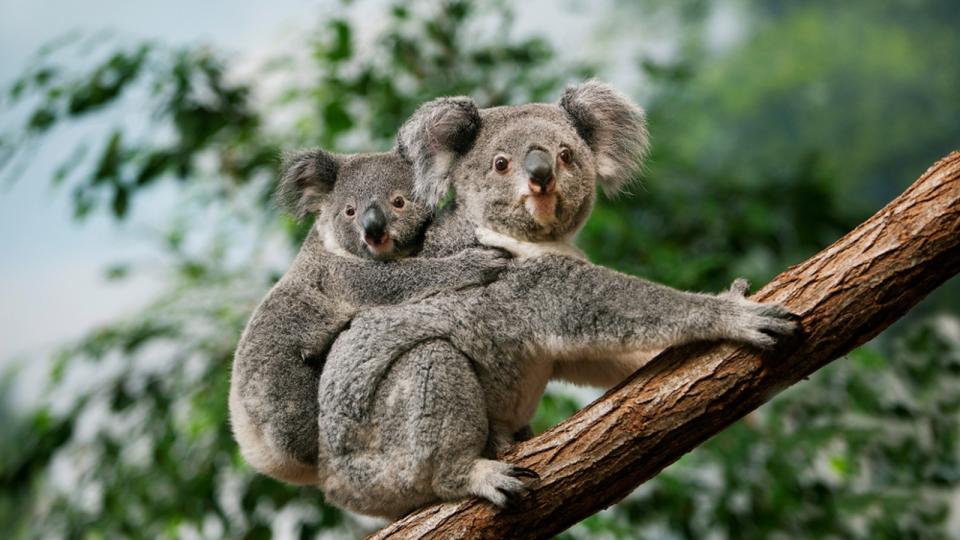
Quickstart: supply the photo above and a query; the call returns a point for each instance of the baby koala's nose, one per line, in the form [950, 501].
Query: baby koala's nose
[539, 165]
[374, 224]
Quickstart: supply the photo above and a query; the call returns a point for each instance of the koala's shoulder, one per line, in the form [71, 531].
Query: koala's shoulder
[449, 234]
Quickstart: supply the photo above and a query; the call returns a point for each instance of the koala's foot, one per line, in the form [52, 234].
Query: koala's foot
[752, 322]
[498, 482]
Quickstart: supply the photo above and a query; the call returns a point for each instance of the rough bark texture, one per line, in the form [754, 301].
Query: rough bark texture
[845, 295]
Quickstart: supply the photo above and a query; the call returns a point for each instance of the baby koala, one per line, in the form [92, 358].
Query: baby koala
[358, 254]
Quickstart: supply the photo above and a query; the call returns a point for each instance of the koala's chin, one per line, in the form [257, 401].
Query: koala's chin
[532, 218]
[542, 208]
[383, 250]
[549, 217]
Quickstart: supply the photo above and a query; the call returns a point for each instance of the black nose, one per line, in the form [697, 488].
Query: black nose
[374, 223]
[539, 165]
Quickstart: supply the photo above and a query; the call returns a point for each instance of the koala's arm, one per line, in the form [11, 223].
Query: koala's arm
[371, 283]
[580, 312]
[601, 370]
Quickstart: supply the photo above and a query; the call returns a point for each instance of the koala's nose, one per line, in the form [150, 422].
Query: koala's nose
[539, 165]
[374, 224]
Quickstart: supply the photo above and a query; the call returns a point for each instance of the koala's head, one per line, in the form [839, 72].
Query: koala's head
[528, 171]
[363, 202]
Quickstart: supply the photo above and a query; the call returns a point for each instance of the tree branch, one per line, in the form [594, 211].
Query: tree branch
[845, 295]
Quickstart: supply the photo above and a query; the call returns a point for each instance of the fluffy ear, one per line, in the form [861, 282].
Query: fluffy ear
[614, 128]
[307, 176]
[431, 140]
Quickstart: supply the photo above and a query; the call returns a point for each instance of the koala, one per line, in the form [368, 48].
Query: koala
[417, 400]
[357, 254]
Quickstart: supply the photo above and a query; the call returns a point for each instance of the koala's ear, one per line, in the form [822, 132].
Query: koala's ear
[614, 128]
[438, 132]
[307, 177]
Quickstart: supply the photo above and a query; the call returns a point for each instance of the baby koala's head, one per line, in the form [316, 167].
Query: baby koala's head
[363, 202]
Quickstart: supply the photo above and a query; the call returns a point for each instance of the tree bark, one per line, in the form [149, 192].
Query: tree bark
[845, 295]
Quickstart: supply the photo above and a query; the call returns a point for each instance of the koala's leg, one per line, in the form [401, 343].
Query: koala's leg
[501, 438]
[274, 416]
[273, 388]
[260, 450]
[454, 430]
[422, 440]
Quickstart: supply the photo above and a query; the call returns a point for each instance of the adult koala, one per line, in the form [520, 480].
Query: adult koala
[416, 400]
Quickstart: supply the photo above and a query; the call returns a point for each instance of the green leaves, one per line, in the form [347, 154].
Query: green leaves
[106, 82]
[195, 112]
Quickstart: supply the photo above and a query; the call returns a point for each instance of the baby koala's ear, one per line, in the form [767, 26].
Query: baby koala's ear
[438, 132]
[306, 178]
[614, 128]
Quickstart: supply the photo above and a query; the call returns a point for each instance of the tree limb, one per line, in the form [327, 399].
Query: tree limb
[845, 295]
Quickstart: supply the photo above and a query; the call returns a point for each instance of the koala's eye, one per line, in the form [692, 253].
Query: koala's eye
[350, 211]
[398, 202]
[501, 163]
[566, 156]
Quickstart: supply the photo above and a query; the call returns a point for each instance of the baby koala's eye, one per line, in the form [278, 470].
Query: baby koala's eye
[398, 202]
[501, 163]
[350, 212]
[566, 156]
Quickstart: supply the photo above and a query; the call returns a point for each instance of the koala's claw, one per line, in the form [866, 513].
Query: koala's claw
[758, 324]
[498, 482]
[510, 497]
[523, 472]
[739, 287]
[767, 322]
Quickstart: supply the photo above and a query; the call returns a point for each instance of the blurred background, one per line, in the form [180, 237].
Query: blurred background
[138, 153]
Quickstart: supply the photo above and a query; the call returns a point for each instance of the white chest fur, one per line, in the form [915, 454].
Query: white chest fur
[523, 249]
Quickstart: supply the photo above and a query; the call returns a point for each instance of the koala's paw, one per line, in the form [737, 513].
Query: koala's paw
[752, 322]
[484, 264]
[498, 482]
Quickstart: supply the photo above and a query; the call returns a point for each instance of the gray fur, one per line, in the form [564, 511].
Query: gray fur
[446, 129]
[276, 370]
[417, 399]
[308, 176]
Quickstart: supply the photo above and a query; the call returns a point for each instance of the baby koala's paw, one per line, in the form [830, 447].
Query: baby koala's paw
[483, 265]
[498, 482]
[760, 325]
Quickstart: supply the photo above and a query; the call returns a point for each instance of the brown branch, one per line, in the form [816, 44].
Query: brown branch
[845, 295]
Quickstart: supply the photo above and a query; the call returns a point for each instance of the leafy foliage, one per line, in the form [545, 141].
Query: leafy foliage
[764, 151]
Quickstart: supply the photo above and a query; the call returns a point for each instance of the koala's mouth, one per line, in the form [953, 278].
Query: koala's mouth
[542, 207]
[379, 245]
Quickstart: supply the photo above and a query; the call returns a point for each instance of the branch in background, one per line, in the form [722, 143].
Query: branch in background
[845, 295]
